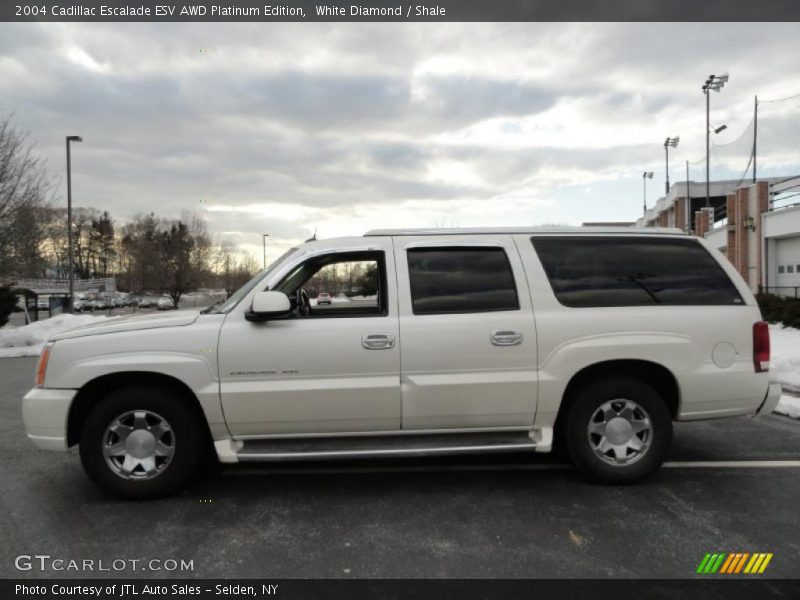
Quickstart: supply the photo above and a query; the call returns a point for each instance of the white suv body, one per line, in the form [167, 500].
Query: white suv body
[537, 332]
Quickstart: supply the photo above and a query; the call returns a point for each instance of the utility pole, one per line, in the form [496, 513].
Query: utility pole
[708, 147]
[688, 201]
[645, 176]
[264, 240]
[755, 136]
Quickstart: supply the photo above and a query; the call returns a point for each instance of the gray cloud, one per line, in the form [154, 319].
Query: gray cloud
[350, 118]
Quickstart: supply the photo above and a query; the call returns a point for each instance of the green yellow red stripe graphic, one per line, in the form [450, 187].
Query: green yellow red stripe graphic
[728, 563]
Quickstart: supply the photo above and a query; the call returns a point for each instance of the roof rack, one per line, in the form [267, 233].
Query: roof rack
[524, 230]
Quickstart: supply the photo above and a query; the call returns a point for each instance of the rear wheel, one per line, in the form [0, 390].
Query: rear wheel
[141, 443]
[618, 430]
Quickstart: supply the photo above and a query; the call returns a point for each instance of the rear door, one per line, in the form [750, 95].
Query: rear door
[468, 339]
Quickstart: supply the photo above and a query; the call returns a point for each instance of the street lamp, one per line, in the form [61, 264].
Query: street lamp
[670, 143]
[70, 258]
[264, 240]
[716, 83]
[645, 176]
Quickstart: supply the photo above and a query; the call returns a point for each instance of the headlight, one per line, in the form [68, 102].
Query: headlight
[41, 369]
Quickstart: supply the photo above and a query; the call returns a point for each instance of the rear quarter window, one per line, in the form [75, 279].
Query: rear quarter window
[631, 271]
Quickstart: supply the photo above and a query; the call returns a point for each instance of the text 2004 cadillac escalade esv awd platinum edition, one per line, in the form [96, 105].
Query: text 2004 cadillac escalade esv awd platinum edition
[468, 341]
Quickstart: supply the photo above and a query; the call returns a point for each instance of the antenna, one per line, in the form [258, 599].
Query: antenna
[313, 238]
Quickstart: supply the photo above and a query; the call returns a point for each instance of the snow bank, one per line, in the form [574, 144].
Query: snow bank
[28, 340]
[784, 366]
[789, 406]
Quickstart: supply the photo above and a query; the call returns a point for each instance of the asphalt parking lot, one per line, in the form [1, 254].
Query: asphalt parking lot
[501, 516]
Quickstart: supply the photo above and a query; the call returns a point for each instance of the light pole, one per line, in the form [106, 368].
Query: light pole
[70, 259]
[645, 176]
[264, 240]
[716, 83]
[688, 201]
[670, 143]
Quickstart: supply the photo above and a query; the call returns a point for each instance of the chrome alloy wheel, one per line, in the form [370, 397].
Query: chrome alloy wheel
[138, 445]
[620, 432]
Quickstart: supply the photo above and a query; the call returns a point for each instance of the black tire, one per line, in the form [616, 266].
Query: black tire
[581, 445]
[189, 442]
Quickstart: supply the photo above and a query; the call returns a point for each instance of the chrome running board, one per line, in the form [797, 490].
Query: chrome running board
[340, 448]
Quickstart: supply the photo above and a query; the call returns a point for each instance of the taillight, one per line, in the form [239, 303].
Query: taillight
[761, 347]
[41, 369]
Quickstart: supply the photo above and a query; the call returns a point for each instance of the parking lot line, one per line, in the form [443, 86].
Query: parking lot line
[734, 464]
[703, 464]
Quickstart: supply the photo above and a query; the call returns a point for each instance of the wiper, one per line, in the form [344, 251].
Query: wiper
[210, 307]
[637, 280]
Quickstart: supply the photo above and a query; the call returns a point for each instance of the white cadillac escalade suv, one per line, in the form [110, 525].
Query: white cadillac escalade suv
[482, 340]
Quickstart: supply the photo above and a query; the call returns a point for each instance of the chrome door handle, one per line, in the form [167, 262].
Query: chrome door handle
[377, 341]
[506, 337]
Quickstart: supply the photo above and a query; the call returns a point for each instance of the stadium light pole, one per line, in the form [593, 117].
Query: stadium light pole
[264, 237]
[70, 257]
[645, 176]
[670, 143]
[716, 83]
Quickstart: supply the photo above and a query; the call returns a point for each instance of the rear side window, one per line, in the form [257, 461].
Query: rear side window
[460, 280]
[617, 271]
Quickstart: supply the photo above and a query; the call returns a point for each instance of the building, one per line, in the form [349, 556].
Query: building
[754, 224]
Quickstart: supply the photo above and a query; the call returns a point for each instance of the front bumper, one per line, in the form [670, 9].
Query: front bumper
[771, 401]
[44, 412]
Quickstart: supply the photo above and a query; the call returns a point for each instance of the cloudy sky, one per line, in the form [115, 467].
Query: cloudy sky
[287, 128]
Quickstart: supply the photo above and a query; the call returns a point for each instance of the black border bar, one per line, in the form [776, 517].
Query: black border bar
[708, 588]
[400, 10]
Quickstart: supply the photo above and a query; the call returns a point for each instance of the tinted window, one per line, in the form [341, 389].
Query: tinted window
[633, 272]
[460, 280]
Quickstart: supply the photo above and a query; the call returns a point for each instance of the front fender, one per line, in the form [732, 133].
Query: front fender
[193, 371]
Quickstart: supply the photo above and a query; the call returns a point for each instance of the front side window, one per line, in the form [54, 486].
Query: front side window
[340, 284]
[633, 271]
[460, 280]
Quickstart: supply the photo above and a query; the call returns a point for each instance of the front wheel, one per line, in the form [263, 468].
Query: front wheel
[618, 430]
[141, 443]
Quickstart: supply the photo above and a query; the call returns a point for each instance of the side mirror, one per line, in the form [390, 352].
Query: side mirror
[269, 305]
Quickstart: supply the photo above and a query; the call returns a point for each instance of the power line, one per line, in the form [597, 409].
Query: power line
[779, 99]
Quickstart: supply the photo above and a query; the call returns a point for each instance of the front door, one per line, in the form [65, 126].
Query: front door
[334, 366]
[468, 350]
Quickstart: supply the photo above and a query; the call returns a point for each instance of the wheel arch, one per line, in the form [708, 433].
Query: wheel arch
[94, 390]
[654, 374]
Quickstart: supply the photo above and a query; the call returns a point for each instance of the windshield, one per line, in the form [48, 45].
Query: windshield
[248, 287]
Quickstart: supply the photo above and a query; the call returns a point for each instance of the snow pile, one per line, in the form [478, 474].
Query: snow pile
[29, 340]
[789, 406]
[784, 366]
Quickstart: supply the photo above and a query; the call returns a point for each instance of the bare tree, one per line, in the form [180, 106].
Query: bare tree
[24, 190]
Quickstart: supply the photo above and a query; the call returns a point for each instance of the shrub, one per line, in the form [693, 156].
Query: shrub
[777, 309]
[8, 299]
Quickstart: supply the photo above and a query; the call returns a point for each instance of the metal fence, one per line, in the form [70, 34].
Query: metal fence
[786, 291]
[102, 284]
